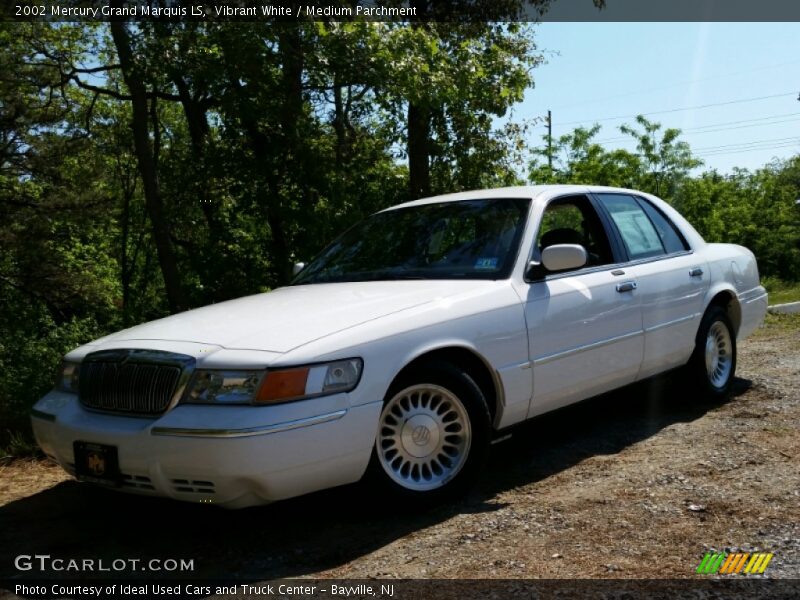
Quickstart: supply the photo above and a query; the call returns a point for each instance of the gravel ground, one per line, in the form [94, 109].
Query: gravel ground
[635, 484]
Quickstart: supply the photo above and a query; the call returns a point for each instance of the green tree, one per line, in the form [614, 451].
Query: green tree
[754, 209]
[447, 82]
[579, 159]
[58, 282]
[666, 159]
[662, 161]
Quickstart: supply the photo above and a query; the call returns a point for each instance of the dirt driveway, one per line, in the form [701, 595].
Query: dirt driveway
[639, 483]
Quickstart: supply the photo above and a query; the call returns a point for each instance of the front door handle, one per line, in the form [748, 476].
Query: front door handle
[626, 286]
[696, 272]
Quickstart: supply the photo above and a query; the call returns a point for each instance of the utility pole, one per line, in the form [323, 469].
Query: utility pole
[550, 140]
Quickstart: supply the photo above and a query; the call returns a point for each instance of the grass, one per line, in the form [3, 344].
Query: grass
[781, 292]
[776, 324]
[18, 444]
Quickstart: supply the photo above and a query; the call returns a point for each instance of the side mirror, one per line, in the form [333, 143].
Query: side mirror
[297, 268]
[562, 257]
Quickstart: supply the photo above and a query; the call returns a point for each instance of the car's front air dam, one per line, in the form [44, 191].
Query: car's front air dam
[212, 461]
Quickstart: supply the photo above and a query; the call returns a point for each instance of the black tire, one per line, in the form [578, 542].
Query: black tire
[713, 385]
[396, 433]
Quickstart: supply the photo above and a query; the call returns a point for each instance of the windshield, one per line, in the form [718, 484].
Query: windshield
[470, 239]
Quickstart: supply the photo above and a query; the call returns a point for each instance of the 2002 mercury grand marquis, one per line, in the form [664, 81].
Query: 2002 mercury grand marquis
[404, 347]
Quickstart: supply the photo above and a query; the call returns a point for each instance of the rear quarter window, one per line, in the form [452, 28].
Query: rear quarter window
[670, 235]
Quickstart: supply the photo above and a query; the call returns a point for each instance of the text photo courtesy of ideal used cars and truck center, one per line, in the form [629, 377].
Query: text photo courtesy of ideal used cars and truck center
[458, 299]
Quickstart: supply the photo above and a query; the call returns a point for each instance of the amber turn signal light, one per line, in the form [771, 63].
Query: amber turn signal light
[281, 386]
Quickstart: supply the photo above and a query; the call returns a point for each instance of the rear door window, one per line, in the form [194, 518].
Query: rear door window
[637, 231]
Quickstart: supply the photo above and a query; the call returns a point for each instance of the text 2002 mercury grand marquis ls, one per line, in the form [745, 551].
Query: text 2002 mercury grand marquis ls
[404, 347]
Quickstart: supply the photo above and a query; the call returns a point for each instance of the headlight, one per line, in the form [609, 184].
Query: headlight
[273, 386]
[223, 387]
[67, 377]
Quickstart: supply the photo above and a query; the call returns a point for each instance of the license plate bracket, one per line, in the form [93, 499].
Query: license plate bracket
[97, 463]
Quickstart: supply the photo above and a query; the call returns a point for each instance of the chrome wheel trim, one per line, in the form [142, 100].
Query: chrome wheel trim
[719, 354]
[424, 437]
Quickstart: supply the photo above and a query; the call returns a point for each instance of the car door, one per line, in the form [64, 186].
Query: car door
[671, 279]
[584, 326]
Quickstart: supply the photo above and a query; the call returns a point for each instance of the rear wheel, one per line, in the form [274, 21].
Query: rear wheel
[713, 363]
[433, 434]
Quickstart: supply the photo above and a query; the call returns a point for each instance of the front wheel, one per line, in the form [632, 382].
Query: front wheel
[713, 363]
[433, 433]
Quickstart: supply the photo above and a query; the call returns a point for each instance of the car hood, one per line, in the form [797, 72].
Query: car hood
[289, 317]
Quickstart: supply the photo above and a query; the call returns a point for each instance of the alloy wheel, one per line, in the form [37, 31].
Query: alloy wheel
[424, 437]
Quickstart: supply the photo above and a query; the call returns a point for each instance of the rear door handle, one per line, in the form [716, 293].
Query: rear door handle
[626, 286]
[696, 272]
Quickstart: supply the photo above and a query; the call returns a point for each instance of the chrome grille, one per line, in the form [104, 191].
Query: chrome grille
[137, 382]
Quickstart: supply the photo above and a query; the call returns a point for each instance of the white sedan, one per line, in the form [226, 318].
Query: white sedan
[405, 347]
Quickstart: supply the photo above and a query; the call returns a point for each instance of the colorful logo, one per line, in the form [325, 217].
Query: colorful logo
[96, 463]
[743, 563]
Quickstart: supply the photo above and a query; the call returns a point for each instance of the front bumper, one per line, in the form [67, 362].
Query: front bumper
[233, 456]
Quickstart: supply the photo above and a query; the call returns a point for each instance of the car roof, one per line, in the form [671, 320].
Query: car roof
[542, 193]
[520, 191]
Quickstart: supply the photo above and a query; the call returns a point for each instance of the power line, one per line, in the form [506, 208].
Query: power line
[794, 114]
[678, 83]
[751, 143]
[691, 133]
[743, 145]
[743, 150]
[674, 110]
[705, 128]
[751, 146]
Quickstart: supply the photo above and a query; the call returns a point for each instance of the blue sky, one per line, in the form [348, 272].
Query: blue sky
[596, 71]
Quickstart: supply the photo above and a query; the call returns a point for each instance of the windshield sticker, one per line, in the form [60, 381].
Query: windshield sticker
[486, 263]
